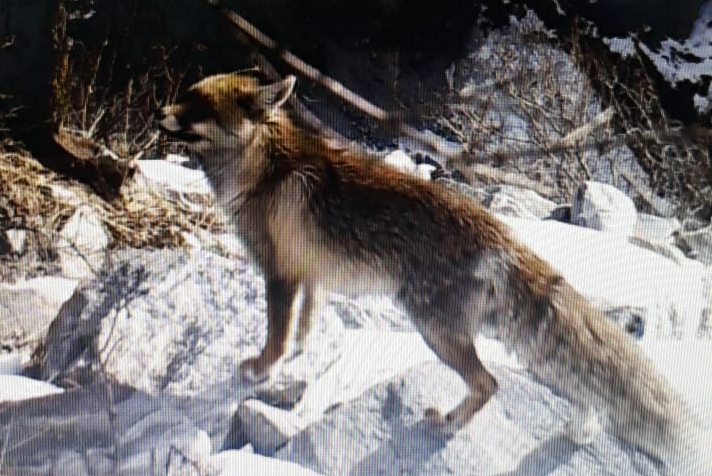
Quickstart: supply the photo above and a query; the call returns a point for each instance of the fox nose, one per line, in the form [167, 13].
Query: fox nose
[166, 120]
[159, 114]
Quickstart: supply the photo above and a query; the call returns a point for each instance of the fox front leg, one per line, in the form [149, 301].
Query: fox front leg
[280, 296]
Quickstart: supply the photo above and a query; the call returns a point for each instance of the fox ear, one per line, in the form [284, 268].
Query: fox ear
[271, 97]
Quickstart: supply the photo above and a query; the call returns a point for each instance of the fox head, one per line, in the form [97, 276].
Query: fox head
[224, 112]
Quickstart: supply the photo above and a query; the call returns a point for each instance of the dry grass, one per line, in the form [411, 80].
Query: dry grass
[139, 217]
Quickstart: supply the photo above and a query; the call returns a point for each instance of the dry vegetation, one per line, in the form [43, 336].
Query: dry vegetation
[32, 199]
[676, 157]
[519, 104]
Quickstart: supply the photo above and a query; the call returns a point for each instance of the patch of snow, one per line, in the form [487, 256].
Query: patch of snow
[174, 177]
[400, 160]
[603, 207]
[83, 244]
[10, 364]
[233, 462]
[16, 387]
[608, 269]
[16, 239]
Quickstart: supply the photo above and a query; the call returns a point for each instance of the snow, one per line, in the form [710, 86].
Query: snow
[608, 269]
[243, 463]
[17, 388]
[173, 326]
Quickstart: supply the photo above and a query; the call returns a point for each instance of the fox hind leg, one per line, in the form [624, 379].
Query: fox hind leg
[458, 352]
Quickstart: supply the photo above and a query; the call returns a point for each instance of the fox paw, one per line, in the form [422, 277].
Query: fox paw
[584, 427]
[254, 370]
[443, 423]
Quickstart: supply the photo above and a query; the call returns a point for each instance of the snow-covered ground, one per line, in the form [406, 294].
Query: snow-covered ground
[173, 325]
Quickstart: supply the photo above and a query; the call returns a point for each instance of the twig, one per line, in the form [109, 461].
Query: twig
[5, 442]
[327, 82]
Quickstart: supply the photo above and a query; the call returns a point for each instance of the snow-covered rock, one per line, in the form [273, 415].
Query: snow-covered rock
[10, 364]
[73, 433]
[653, 228]
[608, 269]
[16, 240]
[65, 195]
[82, 245]
[520, 431]
[400, 160]
[174, 176]
[686, 365]
[405, 163]
[16, 387]
[603, 207]
[664, 249]
[232, 463]
[28, 307]
[518, 202]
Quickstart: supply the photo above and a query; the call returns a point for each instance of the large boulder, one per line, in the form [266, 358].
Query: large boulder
[520, 431]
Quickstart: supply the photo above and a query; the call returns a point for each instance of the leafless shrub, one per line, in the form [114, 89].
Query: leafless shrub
[677, 157]
[121, 119]
[519, 104]
[522, 104]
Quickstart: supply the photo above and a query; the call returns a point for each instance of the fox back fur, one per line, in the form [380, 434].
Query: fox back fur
[320, 218]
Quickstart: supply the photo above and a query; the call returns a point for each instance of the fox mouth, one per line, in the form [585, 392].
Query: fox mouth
[183, 135]
[171, 125]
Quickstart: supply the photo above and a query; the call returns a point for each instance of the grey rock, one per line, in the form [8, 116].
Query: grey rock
[266, 427]
[519, 432]
[75, 433]
[562, 214]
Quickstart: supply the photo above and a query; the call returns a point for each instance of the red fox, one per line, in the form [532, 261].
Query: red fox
[319, 218]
